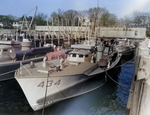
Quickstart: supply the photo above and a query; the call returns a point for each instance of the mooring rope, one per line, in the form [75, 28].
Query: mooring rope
[45, 95]
[124, 63]
[46, 92]
[60, 90]
[115, 81]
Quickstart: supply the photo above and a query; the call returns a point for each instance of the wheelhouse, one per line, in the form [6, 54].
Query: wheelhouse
[78, 56]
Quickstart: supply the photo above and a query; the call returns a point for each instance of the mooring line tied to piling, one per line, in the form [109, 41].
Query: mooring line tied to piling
[115, 81]
[125, 63]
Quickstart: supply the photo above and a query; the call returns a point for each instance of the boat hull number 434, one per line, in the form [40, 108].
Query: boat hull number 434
[49, 83]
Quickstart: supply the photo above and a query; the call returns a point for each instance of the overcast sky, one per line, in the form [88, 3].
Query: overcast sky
[119, 7]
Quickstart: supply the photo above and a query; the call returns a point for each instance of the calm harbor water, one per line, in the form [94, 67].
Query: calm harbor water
[109, 99]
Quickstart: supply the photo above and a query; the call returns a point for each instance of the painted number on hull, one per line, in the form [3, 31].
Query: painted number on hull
[49, 84]
[58, 82]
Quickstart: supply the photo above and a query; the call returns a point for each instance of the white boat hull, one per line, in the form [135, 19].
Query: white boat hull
[58, 88]
[44, 86]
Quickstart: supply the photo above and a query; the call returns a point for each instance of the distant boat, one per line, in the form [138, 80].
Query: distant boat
[10, 59]
[59, 76]
[125, 47]
[14, 44]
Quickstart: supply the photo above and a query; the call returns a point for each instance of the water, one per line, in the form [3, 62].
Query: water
[109, 99]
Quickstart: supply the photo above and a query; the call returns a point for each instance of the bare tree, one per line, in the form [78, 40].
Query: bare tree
[126, 21]
[108, 19]
[138, 17]
[70, 15]
[59, 14]
[82, 14]
[104, 20]
[40, 19]
[96, 13]
[112, 19]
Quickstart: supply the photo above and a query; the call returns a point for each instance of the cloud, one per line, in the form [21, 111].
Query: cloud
[136, 5]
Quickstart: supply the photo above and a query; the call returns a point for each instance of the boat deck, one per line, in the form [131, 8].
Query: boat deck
[39, 71]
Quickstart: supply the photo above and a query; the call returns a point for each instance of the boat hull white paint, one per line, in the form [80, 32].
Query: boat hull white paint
[58, 88]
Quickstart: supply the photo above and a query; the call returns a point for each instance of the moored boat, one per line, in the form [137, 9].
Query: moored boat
[60, 76]
[10, 59]
[126, 48]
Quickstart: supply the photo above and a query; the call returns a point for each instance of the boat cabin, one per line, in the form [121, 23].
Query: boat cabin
[79, 56]
[81, 53]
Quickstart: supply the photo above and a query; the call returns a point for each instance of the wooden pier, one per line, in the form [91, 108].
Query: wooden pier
[139, 97]
[86, 32]
[67, 35]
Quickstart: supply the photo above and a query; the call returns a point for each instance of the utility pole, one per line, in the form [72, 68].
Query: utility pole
[97, 3]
